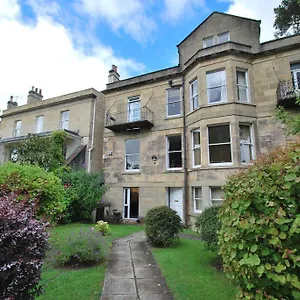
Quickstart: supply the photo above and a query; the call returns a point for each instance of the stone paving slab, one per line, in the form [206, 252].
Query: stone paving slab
[132, 272]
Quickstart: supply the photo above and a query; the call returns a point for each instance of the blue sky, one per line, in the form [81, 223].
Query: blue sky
[63, 46]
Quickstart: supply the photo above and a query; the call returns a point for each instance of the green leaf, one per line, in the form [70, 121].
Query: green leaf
[268, 266]
[279, 268]
[282, 236]
[260, 270]
[273, 231]
[253, 248]
[290, 177]
[265, 251]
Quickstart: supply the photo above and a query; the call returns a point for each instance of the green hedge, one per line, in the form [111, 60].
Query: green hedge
[259, 239]
[35, 184]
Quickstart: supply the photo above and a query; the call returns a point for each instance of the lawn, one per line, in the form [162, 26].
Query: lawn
[85, 283]
[189, 274]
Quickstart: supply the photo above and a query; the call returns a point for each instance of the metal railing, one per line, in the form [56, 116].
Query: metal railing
[129, 116]
[286, 90]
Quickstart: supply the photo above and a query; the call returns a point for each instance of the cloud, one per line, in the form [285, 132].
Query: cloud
[176, 9]
[43, 54]
[257, 9]
[129, 16]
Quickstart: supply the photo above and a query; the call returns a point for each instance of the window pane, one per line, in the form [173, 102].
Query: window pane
[198, 204]
[223, 38]
[215, 79]
[242, 93]
[246, 153]
[241, 77]
[245, 135]
[132, 161]
[219, 134]
[174, 143]
[175, 160]
[219, 154]
[217, 193]
[197, 157]
[174, 109]
[198, 192]
[194, 88]
[132, 146]
[173, 95]
[208, 42]
[196, 138]
[195, 102]
[64, 115]
[215, 95]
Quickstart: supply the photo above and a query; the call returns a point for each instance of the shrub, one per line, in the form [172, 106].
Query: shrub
[102, 227]
[85, 191]
[162, 226]
[83, 247]
[208, 225]
[23, 244]
[259, 239]
[35, 184]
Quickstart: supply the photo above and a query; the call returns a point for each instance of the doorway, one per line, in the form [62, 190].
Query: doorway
[131, 203]
[175, 200]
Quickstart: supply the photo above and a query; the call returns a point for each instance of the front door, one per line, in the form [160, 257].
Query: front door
[134, 109]
[131, 203]
[175, 200]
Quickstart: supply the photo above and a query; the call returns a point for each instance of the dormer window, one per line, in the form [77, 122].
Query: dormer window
[208, 42]
[223, 37]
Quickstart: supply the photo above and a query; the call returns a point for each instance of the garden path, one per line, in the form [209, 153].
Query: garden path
[132, 272]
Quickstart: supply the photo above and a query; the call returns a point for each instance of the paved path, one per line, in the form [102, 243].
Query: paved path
[132, 273]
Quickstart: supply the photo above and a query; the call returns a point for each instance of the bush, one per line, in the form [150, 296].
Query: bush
[208, 225]
[102, 227]
[85, 191]
[35, 184]
[162, 226]
[83, 247]
[23, 244]
[259, 239]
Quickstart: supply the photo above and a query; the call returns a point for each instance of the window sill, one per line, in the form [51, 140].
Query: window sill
[131, 172]
[174, 170]
[173, 117]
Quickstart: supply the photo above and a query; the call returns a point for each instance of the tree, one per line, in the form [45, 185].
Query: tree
[45, 152]
[287, 18]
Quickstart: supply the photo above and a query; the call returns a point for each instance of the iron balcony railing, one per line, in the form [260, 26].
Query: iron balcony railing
[287, 90]
[130, 119]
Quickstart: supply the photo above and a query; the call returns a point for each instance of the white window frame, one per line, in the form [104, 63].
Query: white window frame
[206, 39]
[251, 142]
[64, 121]
[167, 103]
[37, 124]
[218, 86]
[193, 96]
[241, 85]
[197, 211]
[17, 128]
[208, 144]
[222, 34]
[139, 153]
[196, 147]
[130, 117]
[168, 152]
[210, 195]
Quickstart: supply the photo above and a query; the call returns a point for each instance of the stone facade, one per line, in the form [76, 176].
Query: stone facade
[83, 123]
[236, 80]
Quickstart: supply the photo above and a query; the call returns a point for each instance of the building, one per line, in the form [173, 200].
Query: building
[79, 114]
[173, 136]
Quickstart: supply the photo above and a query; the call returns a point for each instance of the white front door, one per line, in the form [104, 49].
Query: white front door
[175, 200]
[131, 203]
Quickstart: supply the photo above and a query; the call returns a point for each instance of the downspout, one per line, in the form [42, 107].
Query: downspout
[92, 140]
[185, 171]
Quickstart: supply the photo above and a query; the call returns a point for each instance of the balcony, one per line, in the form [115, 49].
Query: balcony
[287, 94]
[136, 119]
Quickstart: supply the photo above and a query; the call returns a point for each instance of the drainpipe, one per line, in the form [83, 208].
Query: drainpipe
[185, 171]
[92, 140]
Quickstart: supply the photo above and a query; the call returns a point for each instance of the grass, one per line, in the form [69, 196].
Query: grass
[189, 274]
[85, 283]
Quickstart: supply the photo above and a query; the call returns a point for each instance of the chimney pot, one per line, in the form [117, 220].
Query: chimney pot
[11, 98]
[35, 95]
[113, 75]
[32, 88]
[36, 90]
[40, 92]
[114, 68]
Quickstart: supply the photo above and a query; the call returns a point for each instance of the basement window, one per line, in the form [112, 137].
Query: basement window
[197, 197]
[216, 196]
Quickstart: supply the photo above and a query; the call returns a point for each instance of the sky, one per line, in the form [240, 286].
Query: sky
[63, 46]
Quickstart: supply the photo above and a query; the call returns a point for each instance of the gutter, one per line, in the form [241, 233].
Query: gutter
[92, 141]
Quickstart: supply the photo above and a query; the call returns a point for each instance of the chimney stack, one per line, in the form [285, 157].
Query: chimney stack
[113, 75]
[34, 95]
[11, 103]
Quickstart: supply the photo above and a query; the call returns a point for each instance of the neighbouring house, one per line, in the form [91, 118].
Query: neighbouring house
[173, 136]
[79, 114]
